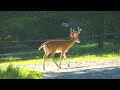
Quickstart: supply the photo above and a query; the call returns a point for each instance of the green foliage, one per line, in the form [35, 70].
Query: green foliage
[91, 49]
[34, 25]
[17, 22]
[12, 72]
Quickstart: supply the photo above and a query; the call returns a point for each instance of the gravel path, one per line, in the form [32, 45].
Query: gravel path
[108, 69]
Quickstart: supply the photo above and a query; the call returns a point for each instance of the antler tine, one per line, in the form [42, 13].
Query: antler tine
[79, 29]
[71, 30]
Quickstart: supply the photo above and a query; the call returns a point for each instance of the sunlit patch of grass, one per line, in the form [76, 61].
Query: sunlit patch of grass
[12, 72]
[25, 62]
[95, 58]
[9, 58]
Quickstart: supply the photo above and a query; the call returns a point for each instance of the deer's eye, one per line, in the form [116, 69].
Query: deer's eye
[75, 35]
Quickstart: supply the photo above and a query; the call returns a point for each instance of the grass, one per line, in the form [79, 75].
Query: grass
[12, 72]
[96, 58]
[91, 49]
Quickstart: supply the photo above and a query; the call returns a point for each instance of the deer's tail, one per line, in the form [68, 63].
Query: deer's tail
[41, 46]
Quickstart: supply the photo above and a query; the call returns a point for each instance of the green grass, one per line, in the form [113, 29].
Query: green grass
[95, 58]
[12, 72]
[23, 61]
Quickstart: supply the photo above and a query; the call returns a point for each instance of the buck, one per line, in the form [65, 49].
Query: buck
[59, 46]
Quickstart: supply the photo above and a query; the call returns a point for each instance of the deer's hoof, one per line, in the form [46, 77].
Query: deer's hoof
[44, 69]
[68, 65]
[59, 67]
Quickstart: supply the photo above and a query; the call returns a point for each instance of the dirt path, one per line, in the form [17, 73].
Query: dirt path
[108, 69]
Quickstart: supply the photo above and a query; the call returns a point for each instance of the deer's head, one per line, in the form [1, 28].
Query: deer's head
[75, 34]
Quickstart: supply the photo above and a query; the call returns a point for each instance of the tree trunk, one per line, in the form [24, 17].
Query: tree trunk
[17, 35]
[100, 30]
[100, 39]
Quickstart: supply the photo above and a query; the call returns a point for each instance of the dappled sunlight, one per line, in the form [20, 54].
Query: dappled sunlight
[9, 58]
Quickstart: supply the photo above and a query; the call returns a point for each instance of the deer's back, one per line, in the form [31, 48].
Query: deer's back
[58, 45]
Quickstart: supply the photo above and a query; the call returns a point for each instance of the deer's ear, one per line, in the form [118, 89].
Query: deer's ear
[71, 35]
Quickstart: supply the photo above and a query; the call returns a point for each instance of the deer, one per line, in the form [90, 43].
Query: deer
[59, 46]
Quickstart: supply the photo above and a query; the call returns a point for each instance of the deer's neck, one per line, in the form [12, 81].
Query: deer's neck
[72, 42]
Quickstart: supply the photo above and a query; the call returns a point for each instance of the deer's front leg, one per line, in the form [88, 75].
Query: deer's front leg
[52, 57]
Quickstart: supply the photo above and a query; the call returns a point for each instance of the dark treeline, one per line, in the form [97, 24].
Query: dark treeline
[34, 25]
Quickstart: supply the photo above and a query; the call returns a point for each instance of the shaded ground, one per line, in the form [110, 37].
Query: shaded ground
[87, 70]
[95, 73]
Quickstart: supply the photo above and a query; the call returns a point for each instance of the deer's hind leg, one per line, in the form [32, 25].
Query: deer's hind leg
[65, 57]
[44, 57]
